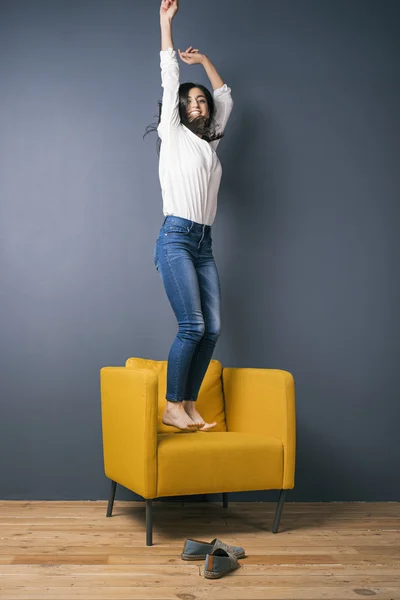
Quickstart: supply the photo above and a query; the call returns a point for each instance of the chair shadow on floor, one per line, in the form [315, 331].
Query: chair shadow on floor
[174, 519]
[207, 520]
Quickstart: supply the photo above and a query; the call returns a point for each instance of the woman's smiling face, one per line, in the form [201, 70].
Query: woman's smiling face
[197, 104]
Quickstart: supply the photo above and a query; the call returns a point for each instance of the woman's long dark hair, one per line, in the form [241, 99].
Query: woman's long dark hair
[205, 127]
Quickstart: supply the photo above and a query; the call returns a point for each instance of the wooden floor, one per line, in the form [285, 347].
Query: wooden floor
[70, 550]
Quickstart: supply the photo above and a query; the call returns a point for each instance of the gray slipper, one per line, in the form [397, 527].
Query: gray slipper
[219, 563]
[197, 550]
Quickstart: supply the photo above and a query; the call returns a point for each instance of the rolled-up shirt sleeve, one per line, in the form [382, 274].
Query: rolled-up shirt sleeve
[223, 108]
[170, 82]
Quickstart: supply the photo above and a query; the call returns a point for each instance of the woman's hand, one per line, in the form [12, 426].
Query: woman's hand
[169, 8]
[192, 56]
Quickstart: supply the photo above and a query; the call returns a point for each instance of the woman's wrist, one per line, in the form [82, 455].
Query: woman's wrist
[165, 20]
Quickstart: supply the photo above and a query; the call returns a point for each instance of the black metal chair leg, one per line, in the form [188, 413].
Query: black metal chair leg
[279, 511]
[225, 499]
[111, 498]
[149, 523]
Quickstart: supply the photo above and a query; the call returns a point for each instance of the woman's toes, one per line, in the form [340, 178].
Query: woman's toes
[207, 426]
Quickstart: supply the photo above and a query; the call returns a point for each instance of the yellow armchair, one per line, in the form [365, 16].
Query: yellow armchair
[253, 446]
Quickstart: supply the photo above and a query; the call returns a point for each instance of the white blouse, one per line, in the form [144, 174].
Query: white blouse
[189, 168]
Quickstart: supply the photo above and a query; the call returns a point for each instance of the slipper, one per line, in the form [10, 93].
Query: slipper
[197, 550]
[219, 563]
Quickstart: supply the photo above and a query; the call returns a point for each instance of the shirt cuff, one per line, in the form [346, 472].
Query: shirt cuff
[221, 90]
[168, 53]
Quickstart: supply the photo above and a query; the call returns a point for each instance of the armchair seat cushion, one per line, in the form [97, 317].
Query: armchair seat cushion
[211, 462]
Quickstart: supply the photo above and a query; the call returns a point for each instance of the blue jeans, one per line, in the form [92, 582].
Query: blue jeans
[184, 258]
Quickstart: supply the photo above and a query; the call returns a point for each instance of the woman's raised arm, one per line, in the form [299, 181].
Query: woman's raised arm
[169, 70]
[222, 92]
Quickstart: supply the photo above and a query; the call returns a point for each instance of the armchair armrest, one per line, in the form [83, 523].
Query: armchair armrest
[263, 401]
[129, 427]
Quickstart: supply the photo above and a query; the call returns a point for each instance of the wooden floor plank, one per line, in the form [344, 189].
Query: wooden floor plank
[210, 592]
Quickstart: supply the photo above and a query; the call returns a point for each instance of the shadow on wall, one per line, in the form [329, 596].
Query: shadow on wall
[249, 208]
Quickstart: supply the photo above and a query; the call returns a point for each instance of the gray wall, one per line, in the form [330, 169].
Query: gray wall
[306, 235]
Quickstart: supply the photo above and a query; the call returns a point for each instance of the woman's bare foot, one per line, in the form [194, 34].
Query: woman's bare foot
[190, 408]
[176, 416]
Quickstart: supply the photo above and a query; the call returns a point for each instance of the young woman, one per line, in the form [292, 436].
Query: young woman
[191, 123]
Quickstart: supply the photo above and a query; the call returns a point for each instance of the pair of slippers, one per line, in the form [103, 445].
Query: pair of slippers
[220, 558]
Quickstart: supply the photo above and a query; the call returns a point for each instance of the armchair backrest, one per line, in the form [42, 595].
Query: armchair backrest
[210, 402]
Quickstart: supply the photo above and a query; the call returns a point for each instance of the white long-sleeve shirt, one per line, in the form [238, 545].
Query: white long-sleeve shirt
[189, 168]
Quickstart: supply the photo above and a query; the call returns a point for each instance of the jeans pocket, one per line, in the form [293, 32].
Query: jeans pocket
[177, 229]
